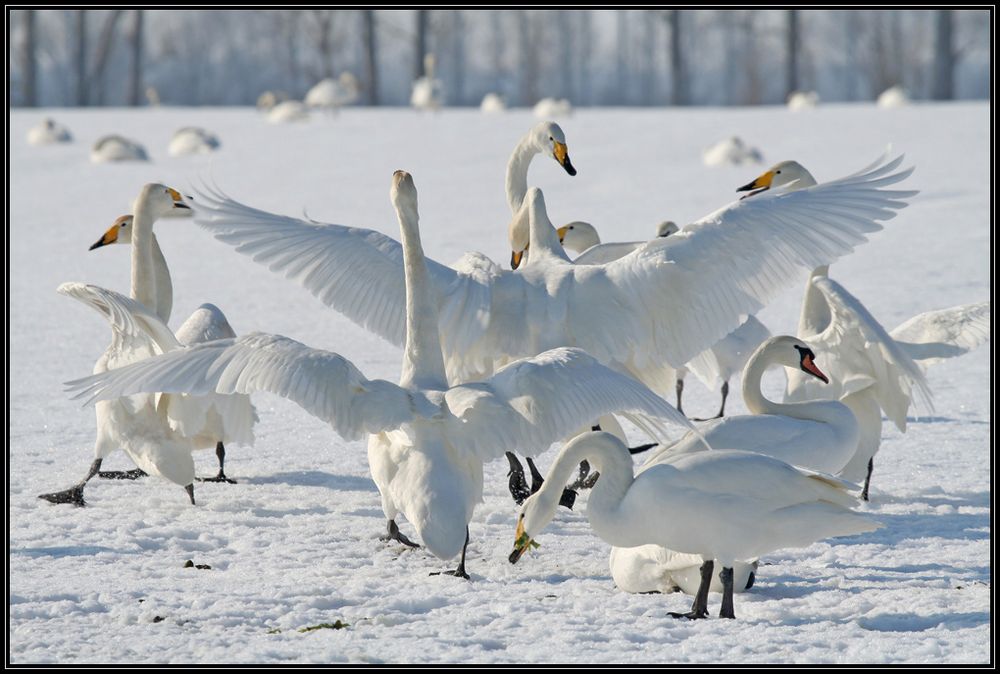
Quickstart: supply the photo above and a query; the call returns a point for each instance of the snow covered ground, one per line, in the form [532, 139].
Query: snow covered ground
[295, 543]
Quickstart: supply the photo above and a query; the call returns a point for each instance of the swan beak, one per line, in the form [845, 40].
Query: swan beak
[178, 199]
[561, 153]
[109, 237]
[809, 366]
[515, 259]
[521, 542]
[562, 233]
[760, 183]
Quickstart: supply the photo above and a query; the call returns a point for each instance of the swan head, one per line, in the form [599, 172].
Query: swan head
[548, 137]
[403, 195]
[161, 201]
[536, 513]
[666, 228]
[578, 236]
[119, 232]
[793, 353]
[781, 174]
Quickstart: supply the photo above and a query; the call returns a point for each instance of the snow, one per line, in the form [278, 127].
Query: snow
[295, 543]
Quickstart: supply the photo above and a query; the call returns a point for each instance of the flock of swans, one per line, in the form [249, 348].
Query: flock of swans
[497, 360]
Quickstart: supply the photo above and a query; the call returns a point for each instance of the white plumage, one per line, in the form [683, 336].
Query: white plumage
[117, 148]
[192, 140]
[48, 132]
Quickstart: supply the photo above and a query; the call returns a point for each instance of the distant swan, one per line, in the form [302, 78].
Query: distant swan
[117, 148]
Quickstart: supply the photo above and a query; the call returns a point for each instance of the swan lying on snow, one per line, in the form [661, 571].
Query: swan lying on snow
[117, 148]
[552, 107]
[288, 111]
[332, 94]
[492, 103]
[192, 140]
[655, 308]
[731, 151]
[723, 505]
[428, 440]
[48, 132]
[893, 97]
[803, 100]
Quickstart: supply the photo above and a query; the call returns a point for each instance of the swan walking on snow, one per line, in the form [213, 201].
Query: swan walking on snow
[722, 505]
[428, 441]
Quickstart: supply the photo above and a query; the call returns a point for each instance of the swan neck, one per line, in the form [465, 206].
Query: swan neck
[423, 364]
[143, 275]
[517, 173]
[814, 410]
[815, 315]
[164, 286]
[543, 238]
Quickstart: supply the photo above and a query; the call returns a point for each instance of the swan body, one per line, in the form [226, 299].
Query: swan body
[731, 151]
[654, 568]
[552, 107]
[722, 505]
[893, 97]
[803, 100]
[428, 440]
[192, 140]
[117, 148]
[287, 111]
[49, 132]
[428, 92]
[660, 305]
[492, 103]
[267, 100]
[333, 93]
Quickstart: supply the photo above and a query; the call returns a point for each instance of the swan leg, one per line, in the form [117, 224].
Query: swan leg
[395, 535]
[74, 495]
[122, 474]
[516, 483]
[460, 571]
[726, 576]
[752, 578]
[220, 452]
[190, 490]
[679, 387]
[868, 479]
[699, 609]
[725, 394]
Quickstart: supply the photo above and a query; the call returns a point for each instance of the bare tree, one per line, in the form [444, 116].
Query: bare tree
[791, 51]
[421, 46]
[943, 87]
[678, 76]
[324, 40]
[135, 73]
[567, 84]
[105, 44]
[458, 55]
[371, 56]
[529, 58]
[30, 59]
[81, 57]
[621, 89]
[586, 42]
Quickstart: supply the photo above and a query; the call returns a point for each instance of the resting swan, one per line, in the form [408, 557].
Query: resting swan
[655, 308]
[722, 505]
[428, 441]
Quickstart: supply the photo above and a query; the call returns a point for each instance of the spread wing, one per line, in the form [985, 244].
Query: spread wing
[935, 335]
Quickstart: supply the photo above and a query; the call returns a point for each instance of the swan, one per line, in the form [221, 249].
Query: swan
[552, 107]
[48, 132]
[723, 505]
[224, 419]
[287, 111]
[802, 100]
[267, 100]
[428, 441]
[651, 310]
[654, 568]
[492, 103]
[543, 138]
[893, 97]
[332, 94]
[731, 151]
[428, 92]
[117, 148]
[718, 363]
[192, 140]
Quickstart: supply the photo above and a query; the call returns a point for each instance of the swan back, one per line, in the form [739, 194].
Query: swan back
[117, 148]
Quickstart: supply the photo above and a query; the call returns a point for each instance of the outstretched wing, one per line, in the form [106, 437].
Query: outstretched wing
[534, 402]
[857, 352]
[935, 335]
[325, 384]
[133, 326]
[603, 253]
[358, 272]
[691, 289]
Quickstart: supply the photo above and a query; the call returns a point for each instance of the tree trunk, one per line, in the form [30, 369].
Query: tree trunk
[586, 42]
[371, 56]
[135, 74]
[458, 56]
[81, 57]
[679, 85]
[418, 65]
[104, 45]
[30, 59]
[621, 58]
[324, 18]
[792, 52]
[943, 88]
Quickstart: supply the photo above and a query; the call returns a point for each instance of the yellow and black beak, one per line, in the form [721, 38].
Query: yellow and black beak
[561, 153]
[521, 542]
[562, 232]
[109, 237]
[178, 199]
[760, 183]
[515, 259]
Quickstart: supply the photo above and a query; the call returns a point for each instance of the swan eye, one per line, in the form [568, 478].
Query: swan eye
[778, 172]
[552, 139]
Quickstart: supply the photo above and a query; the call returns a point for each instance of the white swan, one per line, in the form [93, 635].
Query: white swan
[287, 111]
[332, 94]
[731, 151]
[544, 138]
[492, 103]
[893, 97]
[651, 310]
[428, 92]
[48, 132]
[722, 505]
[117, 148]
[216, 420]
[802, 100]
[654, 568]
[267, 100]
[552, 107]
[428, 441]
[192, 140]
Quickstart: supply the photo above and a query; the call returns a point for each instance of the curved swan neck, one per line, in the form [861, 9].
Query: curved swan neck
[517, 172]
[164, 286]
[423, 364]
[815, 315]
[143, 274]
[757, 404]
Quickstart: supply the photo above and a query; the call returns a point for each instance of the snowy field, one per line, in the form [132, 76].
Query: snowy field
[295, 543]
